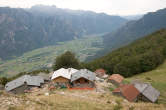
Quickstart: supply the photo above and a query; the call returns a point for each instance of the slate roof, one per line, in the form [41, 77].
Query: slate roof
[66, 73]
[116, 77]
[83, 73]
[140, 86]
[128, 91]
[29, 80]
[148, 91]
[151, 93]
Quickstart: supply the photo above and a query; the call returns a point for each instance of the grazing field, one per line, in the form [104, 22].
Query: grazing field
[44, 57]
[157, 78]
[72, 100]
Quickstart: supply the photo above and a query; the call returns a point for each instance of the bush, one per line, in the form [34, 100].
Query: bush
[111, 89]
[147, 78]
[131, 108]
[3, 80]
[117, 107]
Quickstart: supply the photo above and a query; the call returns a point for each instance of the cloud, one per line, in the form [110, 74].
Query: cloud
[120, 7]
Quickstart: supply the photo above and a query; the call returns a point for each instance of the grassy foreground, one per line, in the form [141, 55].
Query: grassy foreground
[73, 100]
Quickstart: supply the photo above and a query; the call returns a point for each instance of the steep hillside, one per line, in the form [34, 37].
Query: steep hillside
[143, 55]
[133, 30]
[22, 30]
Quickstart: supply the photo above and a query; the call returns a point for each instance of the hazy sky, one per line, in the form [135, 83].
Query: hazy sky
[116, 7]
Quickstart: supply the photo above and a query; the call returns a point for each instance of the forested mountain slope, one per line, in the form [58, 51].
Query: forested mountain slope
[142, 55]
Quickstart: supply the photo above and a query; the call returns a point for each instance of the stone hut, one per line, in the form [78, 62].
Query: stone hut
[83, 79]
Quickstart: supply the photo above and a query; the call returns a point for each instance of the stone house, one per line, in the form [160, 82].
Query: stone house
[116, 79]
[83, 79]
[62, 77]
[127, 91]
[23, 83]
[147, 92]
[101, 73]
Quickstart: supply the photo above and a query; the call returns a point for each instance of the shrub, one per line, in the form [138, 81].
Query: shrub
[66, 60]
[131, 108]
[3, 80]
[147, 78]
[117, 107]
[111, 89]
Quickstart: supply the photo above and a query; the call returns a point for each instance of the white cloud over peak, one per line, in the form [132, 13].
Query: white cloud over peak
[118, 7]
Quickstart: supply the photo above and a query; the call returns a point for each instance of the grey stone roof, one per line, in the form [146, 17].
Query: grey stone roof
[148, 91]
[140, 86]
[29, 80]
[83, 73]
[151, 93]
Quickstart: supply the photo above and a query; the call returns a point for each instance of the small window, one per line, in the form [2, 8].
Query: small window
[86, 80]
[25, 82]
[78, 81]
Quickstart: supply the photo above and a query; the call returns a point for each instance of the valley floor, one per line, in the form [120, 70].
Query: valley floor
[44, 57]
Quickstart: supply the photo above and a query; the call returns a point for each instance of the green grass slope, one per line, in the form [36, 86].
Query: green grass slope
[141, 56]
[44, 57]
[157, 78]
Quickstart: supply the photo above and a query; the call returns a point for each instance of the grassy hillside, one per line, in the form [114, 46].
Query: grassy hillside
[157, 78]
[142, 55]
[44, 57]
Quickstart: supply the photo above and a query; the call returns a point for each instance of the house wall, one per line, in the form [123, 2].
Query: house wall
[20, 89]
[143, 98]
[83, 83]
[120, 94]
[117, 94]
[61, 81]
[1, 87]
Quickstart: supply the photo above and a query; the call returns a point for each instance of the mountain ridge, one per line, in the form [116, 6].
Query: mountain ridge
[132, 31]
[150, 22]
[22, 30]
